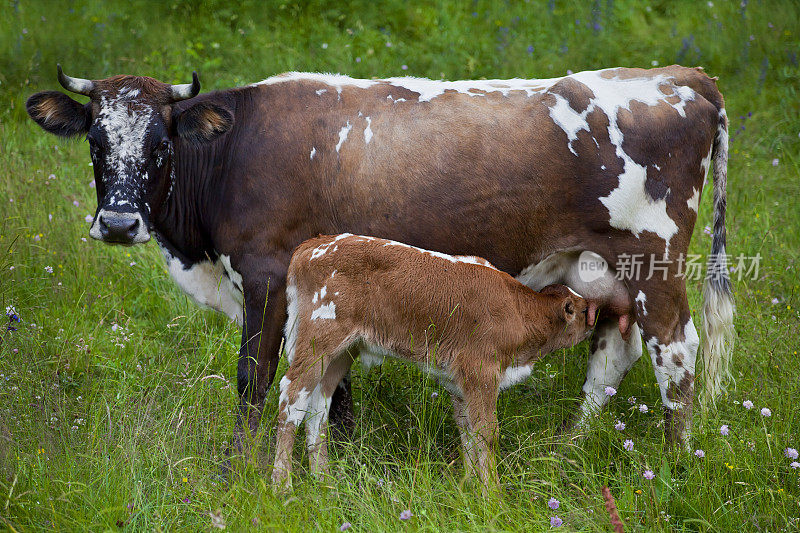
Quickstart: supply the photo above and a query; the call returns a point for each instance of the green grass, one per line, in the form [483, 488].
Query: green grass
[109, 428]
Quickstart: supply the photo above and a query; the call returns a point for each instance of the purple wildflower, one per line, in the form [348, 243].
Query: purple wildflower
[404, 67]
[405, 515]
[795, 464]
[628, 445]
[610, 391]
[776, 162]
[765, 411]
[724, 430]
[747, 404]
[700, 453]
[345, 526]
[619, 426]
[643, 408]
[648, 474]
[555, 521]
[774, 301]
[791, 453]
[88, 219]
[553, 504]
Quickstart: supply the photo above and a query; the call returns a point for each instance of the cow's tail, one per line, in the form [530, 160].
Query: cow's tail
[718, 305]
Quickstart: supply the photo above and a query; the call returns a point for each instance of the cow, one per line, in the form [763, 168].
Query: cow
[533, 175]
[473, 327]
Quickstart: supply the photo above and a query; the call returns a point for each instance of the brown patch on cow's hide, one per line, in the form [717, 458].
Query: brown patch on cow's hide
[677, 359]
[576, 93]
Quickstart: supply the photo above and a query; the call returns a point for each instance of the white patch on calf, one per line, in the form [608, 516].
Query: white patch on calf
[313, 151]
[324, 312]
[295, 412]
[514, 375]
[317, 415]
[471, 259]
[322, 249]
[290, 329]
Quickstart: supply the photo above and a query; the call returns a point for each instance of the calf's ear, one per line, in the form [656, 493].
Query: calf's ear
[568, 308]
[203, 122]
[58, 113]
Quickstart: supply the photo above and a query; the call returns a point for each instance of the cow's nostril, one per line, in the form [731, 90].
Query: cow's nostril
[133, 229]
[104, 230]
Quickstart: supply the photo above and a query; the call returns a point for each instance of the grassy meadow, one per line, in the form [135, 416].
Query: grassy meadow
[117, 394]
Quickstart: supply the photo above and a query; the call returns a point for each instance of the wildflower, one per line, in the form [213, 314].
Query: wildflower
[388, 44]
[707, 230]
[76, 203]
[185, 500]
[530, 49]
[404, 67]
[132, 263]
[50, 217]
[553, 504]
[766, 412]
[724, 430]
[628, 445]
[648, 474]
[555, 521]
[638, 491]
[37, 237]
[730, 467]
[700, 453]
[405, 515]
[795, 464]
[11, 312]
[48, 269]
[619, 426]
[83, 239]
[654, 62]
[324, 46]
[185, 479]
[747, 404]
[92, 184]
[88, 219]
[434, 395]
[345, 526]
[643, 408]
[775, 301]
[610, 391]
[791, 453]
[358, 60]
[632, 400]
[775, 162]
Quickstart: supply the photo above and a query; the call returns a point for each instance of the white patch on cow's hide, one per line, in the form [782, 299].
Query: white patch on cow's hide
[694, 201]
[372, 355]
[641, 299]
[336, 81]
[669, 371]
[514, 375]
[317, 416]
[368, 131]
[430, 89]
[313, 151]
[630, 206]
[235, 277]
[208, 285]
[343, 135]
[705, 164]
[569, 120]
[125, 123]
[324, 312]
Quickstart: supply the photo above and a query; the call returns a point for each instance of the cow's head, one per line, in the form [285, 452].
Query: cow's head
[131, 126]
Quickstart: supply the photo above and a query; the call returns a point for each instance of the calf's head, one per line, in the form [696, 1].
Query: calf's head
[132, 126]
[564, 322]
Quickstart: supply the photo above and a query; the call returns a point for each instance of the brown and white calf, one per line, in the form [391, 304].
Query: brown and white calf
[473, 327]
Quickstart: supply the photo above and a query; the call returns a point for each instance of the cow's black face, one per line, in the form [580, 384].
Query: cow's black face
[130, 125]
[131, 153]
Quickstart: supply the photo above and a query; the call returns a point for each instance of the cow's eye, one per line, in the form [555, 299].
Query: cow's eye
[163, 146]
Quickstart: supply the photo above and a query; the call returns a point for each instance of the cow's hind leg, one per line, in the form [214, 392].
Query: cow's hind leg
[672, 341]
[612, 357]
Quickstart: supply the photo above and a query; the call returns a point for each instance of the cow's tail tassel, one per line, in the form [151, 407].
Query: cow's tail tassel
[718, 305]
[611, 507]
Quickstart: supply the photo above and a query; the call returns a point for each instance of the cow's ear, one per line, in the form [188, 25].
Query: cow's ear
[59, 114]
[203, 122]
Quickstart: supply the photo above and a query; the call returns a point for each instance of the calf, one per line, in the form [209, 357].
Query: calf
[473, 327]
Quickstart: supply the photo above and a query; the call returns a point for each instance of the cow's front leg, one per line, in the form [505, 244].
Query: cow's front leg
[265, 316]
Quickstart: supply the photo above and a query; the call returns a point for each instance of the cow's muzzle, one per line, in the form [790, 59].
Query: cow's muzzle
[114, 227]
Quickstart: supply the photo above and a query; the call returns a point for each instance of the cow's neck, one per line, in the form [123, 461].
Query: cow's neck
[182, 226]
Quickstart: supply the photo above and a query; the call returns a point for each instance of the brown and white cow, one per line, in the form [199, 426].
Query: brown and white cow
[473, 327]
[530, 174]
